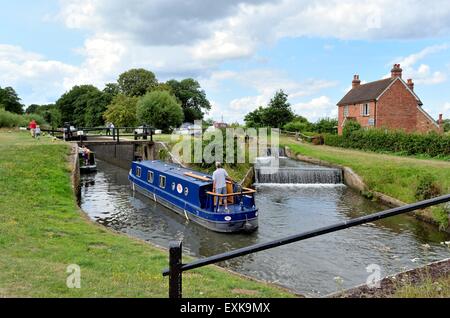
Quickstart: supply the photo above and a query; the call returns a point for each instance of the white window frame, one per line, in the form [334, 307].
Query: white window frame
[150, 176]
[138, 172]
[162, 184]
[365, 107]
[346, 111]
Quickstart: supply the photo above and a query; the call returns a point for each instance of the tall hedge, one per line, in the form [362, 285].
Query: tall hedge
[11, 120]
[432, 144]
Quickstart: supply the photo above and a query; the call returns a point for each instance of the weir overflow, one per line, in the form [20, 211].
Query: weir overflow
[286, 171]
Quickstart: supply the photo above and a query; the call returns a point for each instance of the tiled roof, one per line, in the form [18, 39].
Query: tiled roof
[366, 92]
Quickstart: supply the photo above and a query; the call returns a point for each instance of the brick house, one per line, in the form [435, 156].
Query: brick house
[390, 103]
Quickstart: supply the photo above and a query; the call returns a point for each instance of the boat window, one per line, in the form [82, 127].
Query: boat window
[150, 176]
[162, 182]
[186, 191]
[138, 172]
[173, 186]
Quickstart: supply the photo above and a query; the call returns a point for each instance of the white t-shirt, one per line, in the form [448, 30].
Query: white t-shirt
[219, 177]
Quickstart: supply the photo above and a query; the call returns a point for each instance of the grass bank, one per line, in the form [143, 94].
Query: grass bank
[430, 288]
[42, 232]
[394, 176]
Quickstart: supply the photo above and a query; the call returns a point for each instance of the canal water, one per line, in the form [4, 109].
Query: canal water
[315, 267]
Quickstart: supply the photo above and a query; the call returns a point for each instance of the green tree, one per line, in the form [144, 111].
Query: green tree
[10, 101]
[122, 111]
[83, 106]
[54, 117]
[32, 109]
[50, 113]
[255, 119]
[111, 90]
[350, 127]
[447, 125]
[279, 111]
[160, 109]
[192, 98]
[299, 124]
[137, 82]
[206, 123]
[277, 114]
[326, 125]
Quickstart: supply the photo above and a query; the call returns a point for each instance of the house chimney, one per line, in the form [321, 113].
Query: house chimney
[441, 121]
[411, 84]
[396, 71]
[356, 81]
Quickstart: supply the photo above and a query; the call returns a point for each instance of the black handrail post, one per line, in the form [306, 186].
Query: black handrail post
[114, 133]
[175, 272]
[118, 138]
[145, 132]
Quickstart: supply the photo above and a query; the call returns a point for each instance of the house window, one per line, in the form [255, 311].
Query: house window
[138, 172]
[162, 182]
[366, 110]
[346, 111]
[150, 176]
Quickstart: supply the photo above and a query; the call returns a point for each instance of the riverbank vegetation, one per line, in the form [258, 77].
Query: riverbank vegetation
[11, 120]
[403, 178]
[430, 145]
[42, 232]
[429, 288]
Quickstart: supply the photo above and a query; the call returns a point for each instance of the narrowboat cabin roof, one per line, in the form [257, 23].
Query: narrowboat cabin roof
[176, 171]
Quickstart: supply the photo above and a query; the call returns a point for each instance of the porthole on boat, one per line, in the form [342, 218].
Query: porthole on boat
[180, 188]
[256, 214]
[228, 218]
[186, 191]
[173, 186]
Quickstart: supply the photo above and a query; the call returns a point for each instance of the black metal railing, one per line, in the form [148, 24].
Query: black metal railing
[145, 132]
[81, 134]
[176, 267]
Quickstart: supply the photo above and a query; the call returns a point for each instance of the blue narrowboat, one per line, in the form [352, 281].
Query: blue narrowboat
[190, 194]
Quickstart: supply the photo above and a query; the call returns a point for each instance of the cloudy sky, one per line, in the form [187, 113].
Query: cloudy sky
[240, 51]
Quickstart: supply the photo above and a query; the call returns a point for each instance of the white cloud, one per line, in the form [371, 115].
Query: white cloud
[192, 38]
[43, 78]
[266, 82]
[316, 108]
[213, 31]
[446, 111]
[422, 74]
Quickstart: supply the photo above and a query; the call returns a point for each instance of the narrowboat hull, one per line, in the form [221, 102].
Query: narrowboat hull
[246, 222]
[88, 169]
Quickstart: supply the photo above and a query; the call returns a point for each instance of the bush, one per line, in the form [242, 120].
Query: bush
[427, 188]
[11, 120]
[160, 109]
[378, 140]
[350, 127]
[441, 215]
[326, 126]
[297, 126]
